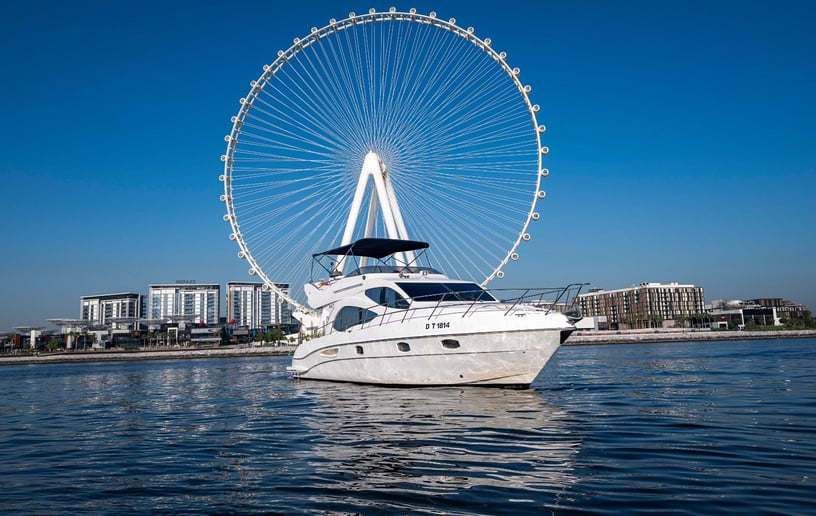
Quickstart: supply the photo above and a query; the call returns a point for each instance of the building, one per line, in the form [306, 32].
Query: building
[112, 310]
[207, 336]
[783, 309]
[773, 311]
[251, 306]
[185, 300]
[649, 305]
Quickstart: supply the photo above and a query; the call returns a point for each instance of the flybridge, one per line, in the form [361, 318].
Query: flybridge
[379, 249]
[375, 248]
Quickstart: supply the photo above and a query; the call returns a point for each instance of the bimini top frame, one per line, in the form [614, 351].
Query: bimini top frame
[377, 248]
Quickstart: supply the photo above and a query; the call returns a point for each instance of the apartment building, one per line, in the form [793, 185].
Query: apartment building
[114, 310]
[252, 306]
[647, 305]
[195, 302]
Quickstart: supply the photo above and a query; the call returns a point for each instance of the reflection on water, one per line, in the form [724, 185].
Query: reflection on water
[438, 440]
[241, 436]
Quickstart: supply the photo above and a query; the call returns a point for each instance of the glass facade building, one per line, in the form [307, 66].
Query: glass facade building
[252, 306]
[198, 302]
[111, 309]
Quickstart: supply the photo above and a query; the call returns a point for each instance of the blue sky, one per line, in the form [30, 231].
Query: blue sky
[680, 133]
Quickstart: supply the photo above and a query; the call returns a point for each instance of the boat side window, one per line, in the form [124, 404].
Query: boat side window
[351, 316]
[387, 297]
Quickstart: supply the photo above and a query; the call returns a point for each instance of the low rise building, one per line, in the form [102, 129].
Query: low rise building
[738, 314]
[783, 309]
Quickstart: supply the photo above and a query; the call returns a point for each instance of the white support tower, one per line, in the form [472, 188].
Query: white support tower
[383, 199]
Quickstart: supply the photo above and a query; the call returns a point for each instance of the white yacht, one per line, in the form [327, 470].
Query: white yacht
[398, 323]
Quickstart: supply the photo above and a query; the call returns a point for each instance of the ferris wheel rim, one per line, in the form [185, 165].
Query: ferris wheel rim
[334, 26]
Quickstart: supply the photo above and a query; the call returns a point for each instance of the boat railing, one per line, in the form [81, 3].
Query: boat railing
[551, 299]
[560, 299]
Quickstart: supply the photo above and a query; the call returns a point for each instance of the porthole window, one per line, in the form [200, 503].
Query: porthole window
[450, 344]
[403, 346]
[359, 350]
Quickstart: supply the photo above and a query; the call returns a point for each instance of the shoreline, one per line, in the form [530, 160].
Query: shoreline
[578, 338]
[583, 338]
[128, 356]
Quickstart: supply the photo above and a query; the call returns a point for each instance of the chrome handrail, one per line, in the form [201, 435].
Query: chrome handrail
[533, 296]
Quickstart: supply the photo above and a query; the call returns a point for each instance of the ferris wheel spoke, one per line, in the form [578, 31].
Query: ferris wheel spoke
[310, 117]
[461, 218]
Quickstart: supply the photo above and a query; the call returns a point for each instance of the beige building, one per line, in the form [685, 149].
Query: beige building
[649, 305]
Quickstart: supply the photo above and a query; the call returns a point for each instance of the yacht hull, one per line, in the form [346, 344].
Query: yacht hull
[490, 358]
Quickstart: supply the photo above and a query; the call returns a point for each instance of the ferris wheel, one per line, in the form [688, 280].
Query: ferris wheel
[409, 114]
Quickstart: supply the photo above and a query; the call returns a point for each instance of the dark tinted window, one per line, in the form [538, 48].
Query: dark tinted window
[469, 292]
[386, 297]
[351, 316]
[445, 292]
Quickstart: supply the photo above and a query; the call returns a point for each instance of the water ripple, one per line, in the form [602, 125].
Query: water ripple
[681, 428]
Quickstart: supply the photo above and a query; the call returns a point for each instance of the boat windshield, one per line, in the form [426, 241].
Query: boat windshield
[445, 291]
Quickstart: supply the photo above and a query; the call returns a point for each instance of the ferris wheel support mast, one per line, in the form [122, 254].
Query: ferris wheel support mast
[383, 197]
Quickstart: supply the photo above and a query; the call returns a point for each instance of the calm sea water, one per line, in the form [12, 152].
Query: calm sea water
[686, 428]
